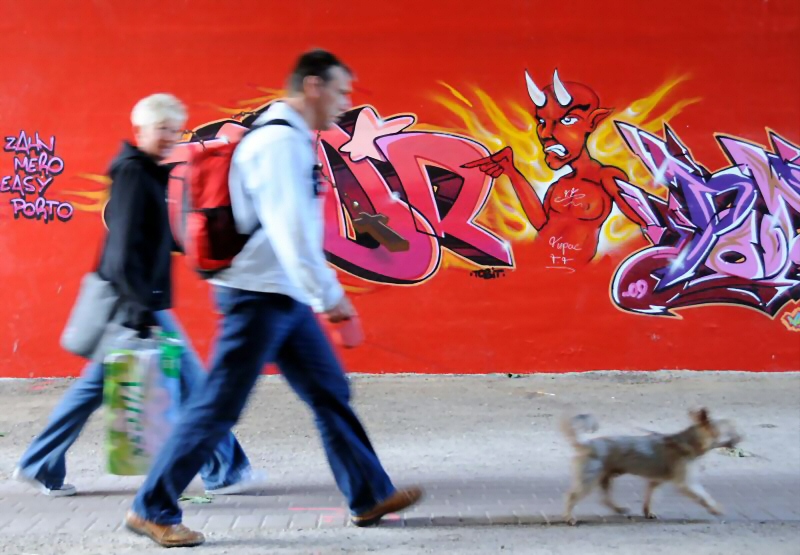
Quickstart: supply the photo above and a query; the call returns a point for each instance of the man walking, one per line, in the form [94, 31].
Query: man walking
[268, 298]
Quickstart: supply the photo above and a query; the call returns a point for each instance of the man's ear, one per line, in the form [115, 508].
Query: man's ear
[312, 85]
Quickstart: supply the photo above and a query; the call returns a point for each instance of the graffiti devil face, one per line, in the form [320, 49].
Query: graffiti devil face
[566, 113]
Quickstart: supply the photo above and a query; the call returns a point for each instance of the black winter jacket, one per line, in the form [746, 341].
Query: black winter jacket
[137, 255]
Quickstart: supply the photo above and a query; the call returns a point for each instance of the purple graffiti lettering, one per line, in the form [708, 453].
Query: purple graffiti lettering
[22, 207]
[53, 165]
[26, 143]
[28, 187]
[44, 163]
[35, 167]
[25, 164]
[64, 211]
[22, 184]
[43, 185]
[725, 237]
[42, 209]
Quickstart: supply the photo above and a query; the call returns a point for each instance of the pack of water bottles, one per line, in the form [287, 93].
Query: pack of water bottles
[141, 394]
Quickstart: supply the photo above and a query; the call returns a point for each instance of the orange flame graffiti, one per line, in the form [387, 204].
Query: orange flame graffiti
[94, 199]
[248, 105]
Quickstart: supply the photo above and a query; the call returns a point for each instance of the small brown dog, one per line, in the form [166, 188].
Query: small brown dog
[656, 457]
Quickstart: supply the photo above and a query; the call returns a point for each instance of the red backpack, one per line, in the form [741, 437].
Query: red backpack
[205, 227]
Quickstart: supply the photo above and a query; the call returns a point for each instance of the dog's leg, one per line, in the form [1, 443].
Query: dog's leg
[586, 476]
[648, 499]
[605, 484]
[578, 492]
[695, 491]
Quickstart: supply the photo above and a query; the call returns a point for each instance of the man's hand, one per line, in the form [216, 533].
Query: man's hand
[342, 311]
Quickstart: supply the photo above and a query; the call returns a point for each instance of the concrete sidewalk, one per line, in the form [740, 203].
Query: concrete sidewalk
[486, 448]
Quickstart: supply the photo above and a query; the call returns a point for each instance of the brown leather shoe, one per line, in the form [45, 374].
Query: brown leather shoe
[165, 535]
[401, 499]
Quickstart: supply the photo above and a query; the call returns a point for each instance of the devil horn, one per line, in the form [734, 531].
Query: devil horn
[562, 95]
[536, 95]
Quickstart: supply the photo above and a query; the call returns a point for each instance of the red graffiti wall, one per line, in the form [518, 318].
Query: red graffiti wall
[520, 186]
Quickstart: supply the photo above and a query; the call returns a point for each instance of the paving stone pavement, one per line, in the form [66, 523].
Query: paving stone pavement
[475, 501]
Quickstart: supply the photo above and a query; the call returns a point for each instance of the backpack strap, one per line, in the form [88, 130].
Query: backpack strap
[282, 122]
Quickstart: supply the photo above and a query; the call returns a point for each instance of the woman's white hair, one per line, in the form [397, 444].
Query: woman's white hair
[158, 108]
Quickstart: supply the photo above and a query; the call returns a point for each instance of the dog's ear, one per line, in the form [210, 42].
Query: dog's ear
[700, 416]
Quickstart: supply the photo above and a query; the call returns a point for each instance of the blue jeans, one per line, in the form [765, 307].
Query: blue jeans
[45, 459]
[260, 328]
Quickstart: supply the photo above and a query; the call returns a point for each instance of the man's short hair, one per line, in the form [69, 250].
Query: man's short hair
[158, 108]
[315, 63]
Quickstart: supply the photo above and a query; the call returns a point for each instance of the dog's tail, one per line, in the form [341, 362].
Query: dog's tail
[576, 426]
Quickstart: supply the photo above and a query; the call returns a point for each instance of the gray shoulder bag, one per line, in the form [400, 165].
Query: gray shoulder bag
[91, 314]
